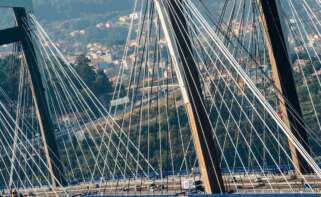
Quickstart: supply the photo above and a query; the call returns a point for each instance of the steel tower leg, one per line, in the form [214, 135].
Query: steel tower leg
[21, 34]
[276, 42]
[179, 44]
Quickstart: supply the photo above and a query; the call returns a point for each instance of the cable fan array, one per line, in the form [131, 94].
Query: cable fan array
[145, 136]
[92, 147]
[240, 29]
[233, 68]
[22, 158]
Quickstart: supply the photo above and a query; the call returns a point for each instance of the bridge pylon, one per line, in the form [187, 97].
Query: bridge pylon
[21, 33]
[180, 49]
[276, 39]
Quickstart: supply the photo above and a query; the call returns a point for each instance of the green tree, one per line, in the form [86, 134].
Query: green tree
[103, 88]
[85, 71]
[102, 85]
[97, 81]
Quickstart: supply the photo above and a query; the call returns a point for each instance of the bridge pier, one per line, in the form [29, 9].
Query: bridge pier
[276, 41]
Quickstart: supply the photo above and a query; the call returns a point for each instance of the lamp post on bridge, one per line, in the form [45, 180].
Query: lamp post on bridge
[276, 42]
[22, 34]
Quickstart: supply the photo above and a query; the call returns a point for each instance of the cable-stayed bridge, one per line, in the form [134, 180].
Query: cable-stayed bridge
[204, 103]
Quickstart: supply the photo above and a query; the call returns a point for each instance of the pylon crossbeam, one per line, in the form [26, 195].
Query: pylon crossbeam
[27, 4]
[10, 35]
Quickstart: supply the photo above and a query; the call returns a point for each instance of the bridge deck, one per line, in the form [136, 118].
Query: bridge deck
[174, 186]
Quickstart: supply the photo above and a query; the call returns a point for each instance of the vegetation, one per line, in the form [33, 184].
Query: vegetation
[9, 75]
[97, 80]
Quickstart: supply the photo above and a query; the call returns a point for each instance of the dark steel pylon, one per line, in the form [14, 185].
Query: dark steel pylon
[277, 44]
[21, 33]
[205, 147]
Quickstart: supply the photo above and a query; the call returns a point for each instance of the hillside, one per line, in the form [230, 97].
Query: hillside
[62, 17]
[68, 9]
